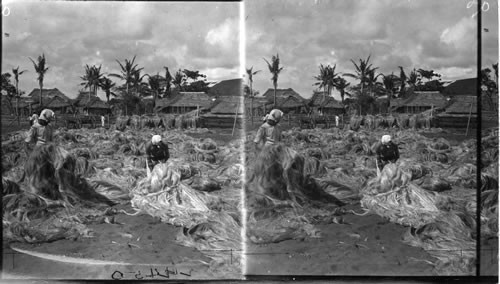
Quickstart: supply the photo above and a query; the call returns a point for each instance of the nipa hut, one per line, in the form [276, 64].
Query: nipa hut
[323, 104]
[227, 88]
[421, 101]
[59, 105]
[184, 102]
[90, 105]
[227, 105]
[33, 98]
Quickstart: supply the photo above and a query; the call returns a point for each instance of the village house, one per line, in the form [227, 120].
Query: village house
[287, 100]
[325, 105]
[418, 102]
[183, 102]
[90, 105]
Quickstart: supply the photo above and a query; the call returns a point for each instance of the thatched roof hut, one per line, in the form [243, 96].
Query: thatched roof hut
[228, 105]
[59, 104]
[184, 102]
[46, 94]
[282, 93]
[462, 105]
[92, 105]
[421, 101]
[463, 87]
[232, 87]
[321, 102]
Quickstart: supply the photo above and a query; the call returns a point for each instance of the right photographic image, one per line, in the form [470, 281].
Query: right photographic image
[371, 138]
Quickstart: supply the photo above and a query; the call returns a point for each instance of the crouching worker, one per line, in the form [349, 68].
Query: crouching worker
[41, 132]
[156, 152]
[269, 133]
[387, 152]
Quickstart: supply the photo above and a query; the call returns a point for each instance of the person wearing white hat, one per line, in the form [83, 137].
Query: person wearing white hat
[156, 152]
[387, 152]
[41, 132]
[269, 133]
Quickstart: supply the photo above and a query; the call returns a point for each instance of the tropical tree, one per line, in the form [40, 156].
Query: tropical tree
[363, 70]
[128, 70]
[8, 87]
[427, 74]
[178, 80]
[373, 86]
[390, 82]
[402, 81]
[250, 74]
[341, 85]
[16, 73]
[92, 79]
[155, 87]
[413, 80]
[274, 69]
[137, 83]
[489, 85]
[107, 85]
[40, 69]
[168, 80]
[322, 78]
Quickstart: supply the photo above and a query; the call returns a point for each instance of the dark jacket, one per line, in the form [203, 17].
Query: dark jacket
[157, 153]
[387, 153]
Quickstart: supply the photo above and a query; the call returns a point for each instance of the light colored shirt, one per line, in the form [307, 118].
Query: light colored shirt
[40, 134]
[268, 134]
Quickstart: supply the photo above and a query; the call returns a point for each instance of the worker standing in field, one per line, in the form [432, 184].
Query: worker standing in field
[387, 152]
[156, 152]
[337, 121]
[103, 121]
[41, 132]
[269, 133]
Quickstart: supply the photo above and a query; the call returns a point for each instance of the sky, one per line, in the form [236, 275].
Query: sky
[428, 34]
[179, 35]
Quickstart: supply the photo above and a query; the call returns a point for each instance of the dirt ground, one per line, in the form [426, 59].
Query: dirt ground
[141, 247]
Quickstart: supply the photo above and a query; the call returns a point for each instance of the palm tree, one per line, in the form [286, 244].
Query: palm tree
[137, 82]
[16, 73]
[127, 72]
[390, 82]
[402, 80]
[154, 86]
[371, 81]
[362, 71]
[250, 74]
[413, 79]
[106, 85]
[275, 70]
[40, 70]
[341, 85]
[168, 81]
[92, 79]
[178, 79]
[332, 78]
[322, 78]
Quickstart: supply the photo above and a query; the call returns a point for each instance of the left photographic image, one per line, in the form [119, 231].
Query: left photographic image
[121, 140]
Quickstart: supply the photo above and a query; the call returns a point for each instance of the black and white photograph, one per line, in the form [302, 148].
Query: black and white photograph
[253, 140]
[121, 157]
[366, 161]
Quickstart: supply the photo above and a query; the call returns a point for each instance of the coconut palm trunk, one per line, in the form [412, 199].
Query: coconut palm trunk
[41, 86]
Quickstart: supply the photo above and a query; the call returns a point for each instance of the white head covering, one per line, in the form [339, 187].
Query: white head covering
[386, 139]
[156, 139]
[47, 115]
[275, 115]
